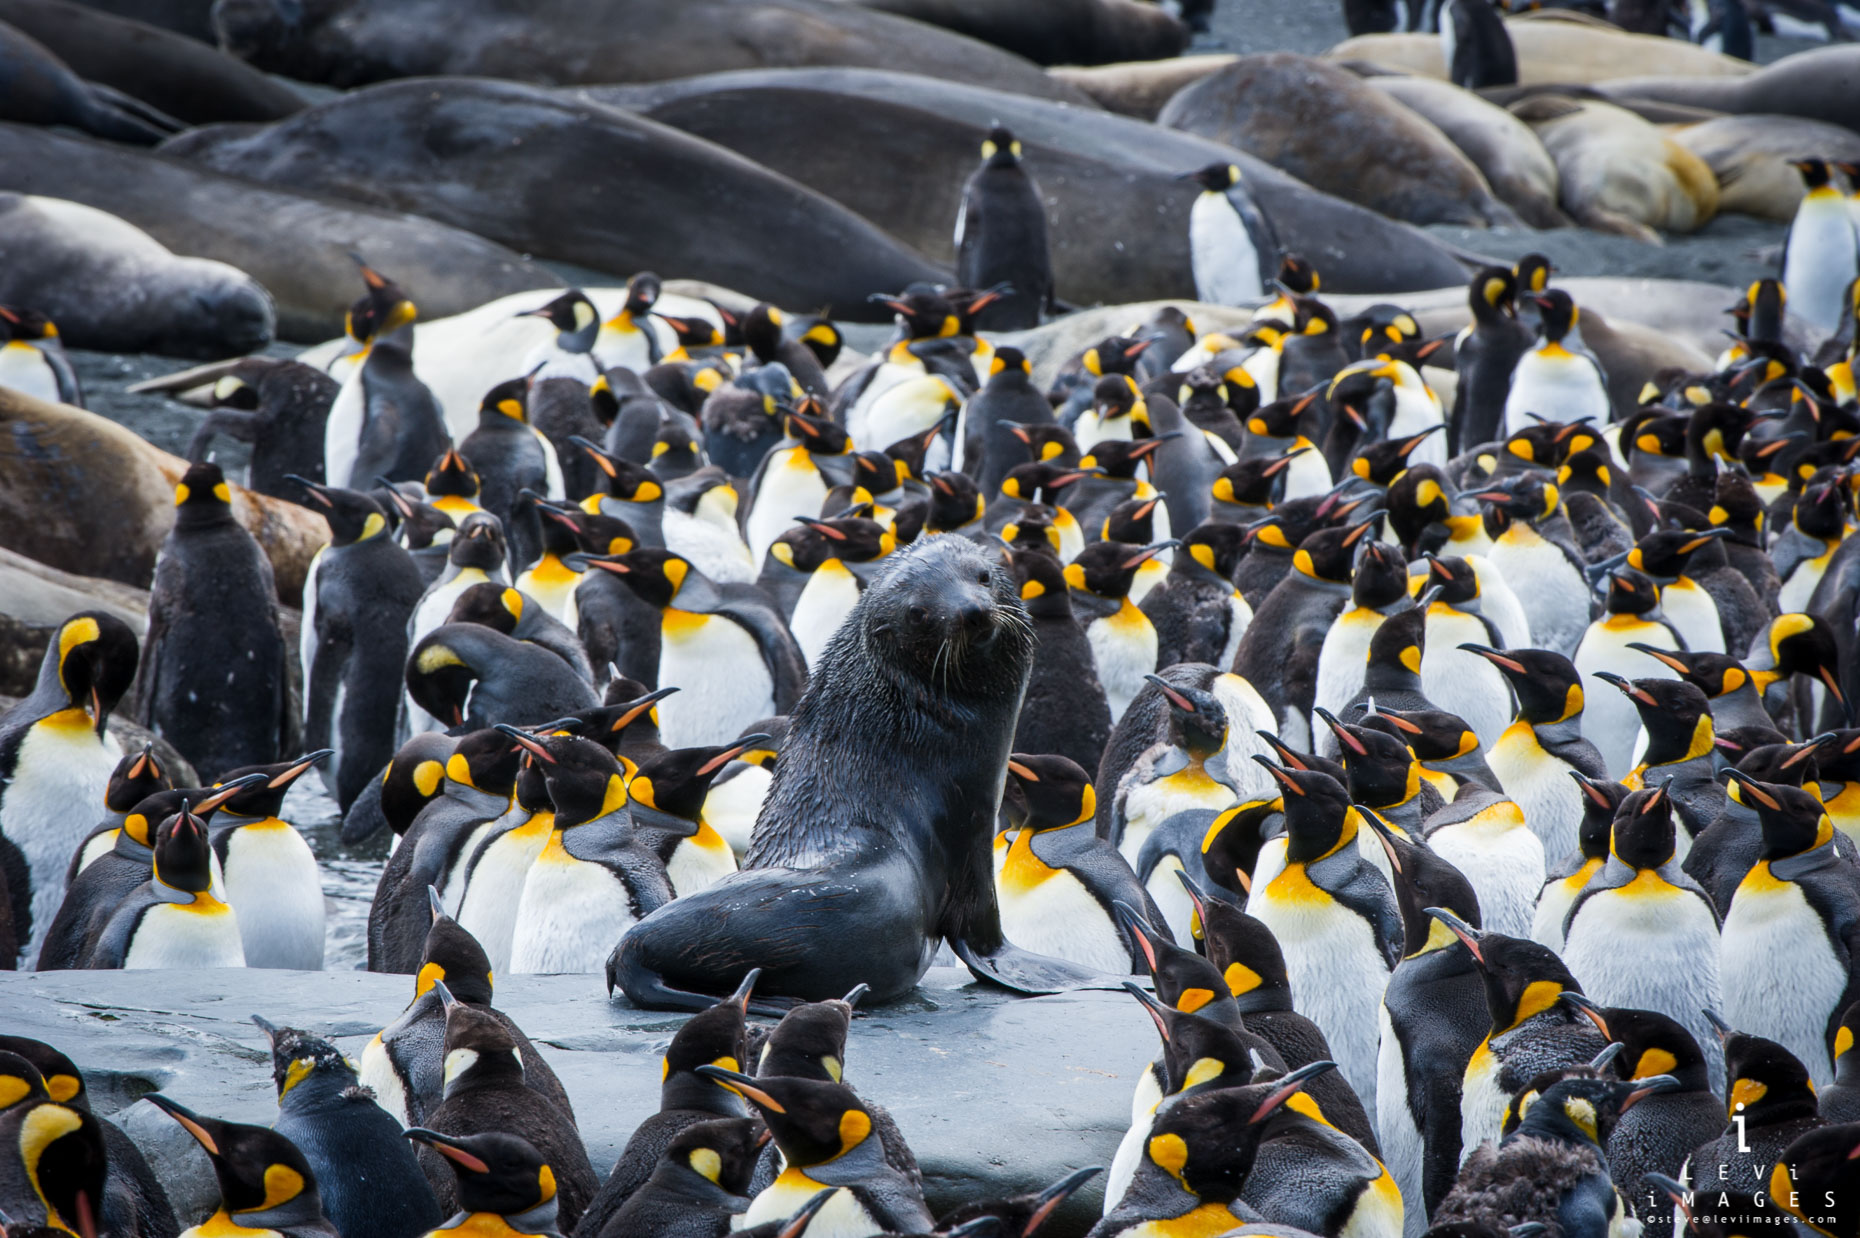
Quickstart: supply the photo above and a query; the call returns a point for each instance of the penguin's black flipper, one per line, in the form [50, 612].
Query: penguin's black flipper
[1022, 971]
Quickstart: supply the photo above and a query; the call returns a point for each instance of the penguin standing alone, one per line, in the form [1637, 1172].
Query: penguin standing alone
[213, 680]
[1001, 237]
[1819, 255]
[1232, 246]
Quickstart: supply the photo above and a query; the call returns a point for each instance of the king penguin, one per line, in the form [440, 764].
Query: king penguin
[1123, 641]
[56, 758]
[33, 359]
[1233, 249]
[385, 421]
[1001, 237]
[1557, 376]
[504, 1187]
[571, 353]
[1643, 934]
[668, 791]
[1610, 720]
[266, 1186]
[269, 872]
[1335, 918]
[359, 594]
[172, 920]
[1819, 256]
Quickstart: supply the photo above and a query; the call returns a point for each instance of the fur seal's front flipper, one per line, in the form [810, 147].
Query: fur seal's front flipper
[1023, 971]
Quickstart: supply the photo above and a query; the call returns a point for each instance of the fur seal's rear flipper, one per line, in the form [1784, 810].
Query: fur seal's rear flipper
[1023, 971]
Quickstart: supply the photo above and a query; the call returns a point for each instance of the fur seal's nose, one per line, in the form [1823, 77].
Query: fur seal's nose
[976, 617]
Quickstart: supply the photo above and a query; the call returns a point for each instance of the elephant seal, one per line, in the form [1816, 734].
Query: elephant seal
[1324, 125]
[111, 287]
[1751, 157]
[1550, 51]
[195, 211]
[565, 42]
[1819, 84]
[37, 88]
[1503, 147]
[85, 495]
[575, 181]
[1054, 31]
[874, 839]
[193, 18]
[1140, 88]
[1618, 173]
[1111, 183]
[176, 75]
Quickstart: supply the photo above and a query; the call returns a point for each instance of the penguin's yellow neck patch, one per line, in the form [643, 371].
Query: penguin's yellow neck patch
[221, 1225]
[1023, 871]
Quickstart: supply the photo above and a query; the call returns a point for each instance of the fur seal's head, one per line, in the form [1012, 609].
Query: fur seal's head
[951, 612]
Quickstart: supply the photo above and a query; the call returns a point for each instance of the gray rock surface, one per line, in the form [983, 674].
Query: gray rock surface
[994, 1093]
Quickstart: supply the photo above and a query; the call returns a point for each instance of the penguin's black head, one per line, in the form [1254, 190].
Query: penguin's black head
[876, 473]
[453, 956]
[1298, 276]
[1047, 793]
[1107, 569]
[417, 523]
[384, 309]
[506, 402]
[629, 722]
[498, 1173]
[1184, 980]
[1319, 817]
[352, 516]
[1381, 770]
[1380, 576]
[479, 543]
[92, 657]
[19, 323]
[1643, 832]
[655, 574]
[202, 496]
[1821, 1165]
[440, 682]
[676, 781]
[922, 311]
[723, 1151]
[642, 293]
[807, 425]
[1418, 506]
[1197, 714]
[263, 795]
[761, 329]
[1492, 294]
[1664, 553]
[1424, 880]
[1399, 643]
[1651, 1044]
[595, 532]
[1214, 547]
[490, 605]
[1790, 765]
[1001, 148]
[1230, 850]
[1042, 581]
[624, 480]
[1132, 521]
[712, 1037]
[1454, 577]
[1522, 978]
[1020, 1216]
[61, 1156]
[1432, 734]
[259, 1170]
[571, 314]
[183, 856]
[1283, 419]
[1330, 554]
[452, 476]
[1216, 177]
[532, 787]
[1207, 1141]
[955, 502]
[1199, 1053]
[136, 777]
[144, 819]
[297, 1056]
[413, 778]
[1532, 272]
[812, 1121]
[485, 760]
[1800, 644]
[854, 539]
[585, 781]
[1631, 593]
[1245, 951]
[1528, 497]
[478, 1044]
[1600, 798]
[1009, 367]
[1838, 756]
[810, 1041]
[1584, 1108]
[1382, 462]
[1120, 458]
[1533, 447]
[1586, 472]
[1793, 820]
[1676, 714]
[1764, 1082]
[1366, 399]
[1816, 173]
[1714, 674]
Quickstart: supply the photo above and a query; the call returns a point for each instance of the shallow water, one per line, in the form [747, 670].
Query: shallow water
[349, 873]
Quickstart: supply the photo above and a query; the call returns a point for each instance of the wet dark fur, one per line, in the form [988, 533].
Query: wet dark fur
[874, 840]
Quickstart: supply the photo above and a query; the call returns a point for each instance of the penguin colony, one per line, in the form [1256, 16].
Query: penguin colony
[1474, 784]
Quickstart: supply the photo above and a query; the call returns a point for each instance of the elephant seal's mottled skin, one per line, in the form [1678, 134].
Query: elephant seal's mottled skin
[560, 178]
[1815, 85]
[312, 281]
[1503, 147]
[874, 840]
[565, 42]
[1324, 125]
[1055, 31]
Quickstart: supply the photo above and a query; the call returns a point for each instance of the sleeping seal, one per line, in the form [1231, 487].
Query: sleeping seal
[874, 840]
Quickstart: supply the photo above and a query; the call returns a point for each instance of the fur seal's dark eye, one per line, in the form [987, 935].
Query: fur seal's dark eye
[983, 578]
[919, 615]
